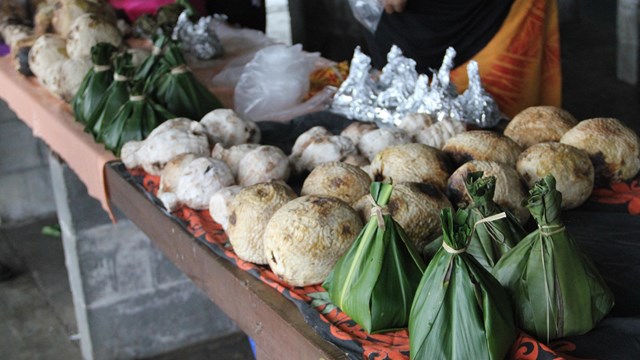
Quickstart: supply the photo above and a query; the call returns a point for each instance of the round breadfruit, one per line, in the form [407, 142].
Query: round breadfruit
[538, 124]
[614, 149]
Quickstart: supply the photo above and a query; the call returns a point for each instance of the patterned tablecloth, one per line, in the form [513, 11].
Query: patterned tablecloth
[607, 228]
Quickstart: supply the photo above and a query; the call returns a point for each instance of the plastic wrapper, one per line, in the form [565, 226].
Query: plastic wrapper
[114, 97]
[134, 120]
[275, 80]
[556, 290]
[367, 12]
[178, 89]
[199, 38]
[492, 239]
[477, 104]
[95, 83]
[376, 279]
[460, 311]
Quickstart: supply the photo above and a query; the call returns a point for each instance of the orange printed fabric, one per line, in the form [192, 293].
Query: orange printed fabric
[313, 301]
[620, 193]
[520, 66]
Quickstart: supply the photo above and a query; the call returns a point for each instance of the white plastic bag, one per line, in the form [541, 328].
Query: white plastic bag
[275, 80]
[367, 12]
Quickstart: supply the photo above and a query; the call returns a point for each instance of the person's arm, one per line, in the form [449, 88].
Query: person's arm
[391, 6]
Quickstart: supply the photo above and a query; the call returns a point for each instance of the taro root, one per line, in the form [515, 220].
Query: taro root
[411, 163]
[65, 12]
[569, 165]
[356, 129]
[224, 126]
[306, 237]
[198, 181]
[250, 211]
[509, 192]
[416, 207]
[170, 175]
[322, 150]
[356, 160]
[538, 124]
[314, 134]
[48, 50]
[264, 164]
[168, 140]
[220, 204]
[416, 122]
[482, 145]
[614, 149]
[439, 133]
[232, 155]
[69, 76]
[346, 182]
[88, 30]
[375, 141]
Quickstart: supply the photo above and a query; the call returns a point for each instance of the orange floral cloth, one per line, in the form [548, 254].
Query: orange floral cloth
[328, 320]
[520, 66]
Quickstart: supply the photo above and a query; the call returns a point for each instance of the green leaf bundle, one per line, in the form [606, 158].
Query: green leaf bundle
[178, 89]
[555, 288]
[95, 83]
[135, 119]
[150, 65]
[492, 239]
[375, 281]
[460, 310]
[114, 97]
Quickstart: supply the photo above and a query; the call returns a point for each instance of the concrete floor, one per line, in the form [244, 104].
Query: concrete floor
[36, 313]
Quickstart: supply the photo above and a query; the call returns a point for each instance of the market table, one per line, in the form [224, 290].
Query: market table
[276, 324]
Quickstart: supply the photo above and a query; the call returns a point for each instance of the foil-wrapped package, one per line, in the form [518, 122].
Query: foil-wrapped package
[357, 96]
[398, 66]
[440, 100]
[478, 105]
[197, 39]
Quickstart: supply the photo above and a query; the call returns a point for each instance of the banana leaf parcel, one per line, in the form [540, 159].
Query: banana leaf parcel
[460, 310]
[492, 239]
[114, 97]
[95, 83]
[152, 62]
[135, 119]
[555, 288]
[375, 281]
[177, 88]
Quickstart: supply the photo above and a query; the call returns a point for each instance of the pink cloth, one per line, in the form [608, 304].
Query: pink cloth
[135, 8]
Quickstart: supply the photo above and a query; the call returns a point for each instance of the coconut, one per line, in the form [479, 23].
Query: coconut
[250, 211]
[569, 165]
[538, 124]
[316, 133]
[614, 149]
[220, 204]
[510, 192]
[416, 122]
[439, 133]
[482, 145]
[263, 164]
[346, 182]
[320, 150]
[356, 160]
[411, 163]
[306, 237]
[416, 207]
[88, 30]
